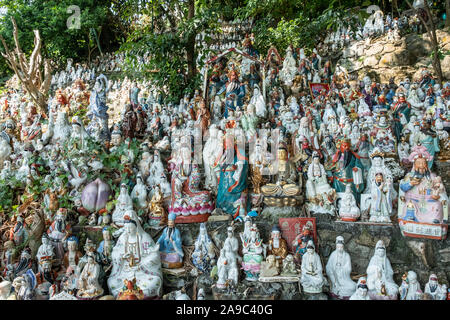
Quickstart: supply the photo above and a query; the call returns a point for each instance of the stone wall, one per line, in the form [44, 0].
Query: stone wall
[383, 59]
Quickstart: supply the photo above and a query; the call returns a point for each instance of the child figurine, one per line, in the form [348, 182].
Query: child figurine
[410, 212]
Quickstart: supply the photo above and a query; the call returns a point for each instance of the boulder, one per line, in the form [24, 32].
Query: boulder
[371, 61]
[375, 49]
[389, 47]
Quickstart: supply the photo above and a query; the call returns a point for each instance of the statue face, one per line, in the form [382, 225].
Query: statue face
[420, 165]
[106, 235]
[362, 292]
[381, 252]
[376, 161]
[72, 245]
[340, 247]
[131, 228]
[276, 235]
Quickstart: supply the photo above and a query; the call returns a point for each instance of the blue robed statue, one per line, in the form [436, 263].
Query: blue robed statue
[170, 248]
[232, 189]
[234, 92]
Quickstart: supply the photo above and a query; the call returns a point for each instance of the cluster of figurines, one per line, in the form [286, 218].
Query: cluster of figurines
[376, 25]
[261, 136]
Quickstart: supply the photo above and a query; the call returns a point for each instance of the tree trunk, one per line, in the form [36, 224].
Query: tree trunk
[447, 12]
[29, 70]
[431, 30]
[190, 47]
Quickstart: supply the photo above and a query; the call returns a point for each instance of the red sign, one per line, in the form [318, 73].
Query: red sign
[316, 88]
[291, 227]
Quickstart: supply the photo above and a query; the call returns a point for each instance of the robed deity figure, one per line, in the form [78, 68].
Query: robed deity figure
[234, 92]
[346, 168]
[232, 189]
[135, 255]
[422, 196]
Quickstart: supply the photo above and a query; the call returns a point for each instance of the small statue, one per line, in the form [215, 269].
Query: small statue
[135, 256]
[381, 205]
[312, 279]
[320, 195]
[417, 188]
[277, 246]
[139, 193]
[380, 271]
[227, 266]
[130, 291]
[5, 290]
[413, 291]
[289, 268]
[170, 246]
[105, 248]
[338, 269]
[252, 250]
[88, 286]
[203, 254]
[124, 203]
[24, 286]
[73, 255]
[434, 289]
[269, 268]
[361, 290]
[156, 206]
[58, 232]
[348, 209]
[18, 233]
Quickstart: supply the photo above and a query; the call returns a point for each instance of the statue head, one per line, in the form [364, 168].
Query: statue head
[171, 221]
[412, 277]
[433, 280]
[340, 243]
[130, 225]
[72, 243]
[310, 247]
[230, 232]
[362, 286]
[380, 249]
[106, 232]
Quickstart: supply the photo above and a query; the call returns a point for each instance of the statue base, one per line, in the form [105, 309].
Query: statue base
[288, 279]
[282, 202]
[422, 230]
[90, 298]
[198, 218]
[338, 297]
[375, 296]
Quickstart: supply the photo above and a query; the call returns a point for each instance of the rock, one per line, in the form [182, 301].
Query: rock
[389, 47]
[366, 239]
[330, 236]
[316, 296]
[371, 61]
[348, 53]
[422, 250]
[445, 65]
[387, 60]
[375, 49]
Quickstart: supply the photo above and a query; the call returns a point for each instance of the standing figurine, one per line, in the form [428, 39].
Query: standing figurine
[203, 254]
[252, 250]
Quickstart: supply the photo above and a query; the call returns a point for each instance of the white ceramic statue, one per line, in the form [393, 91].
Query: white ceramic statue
[312, 278]
[135, 255]
[380, 269]
[338, 268]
